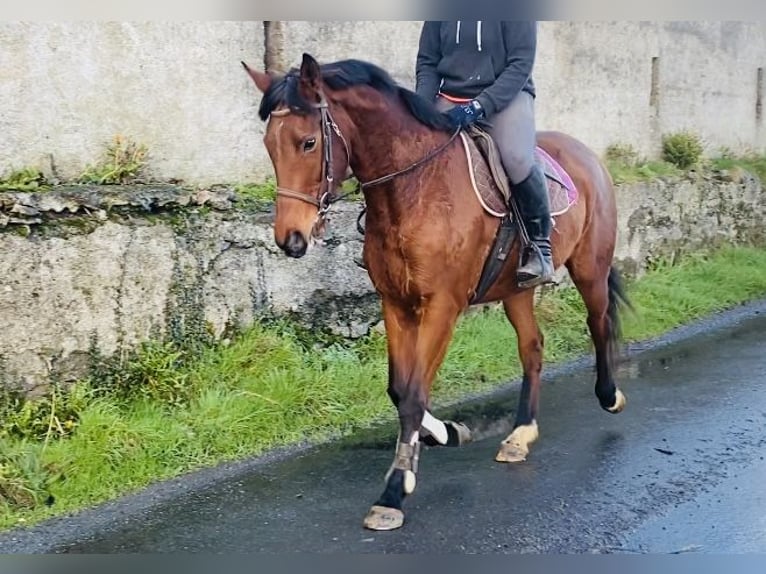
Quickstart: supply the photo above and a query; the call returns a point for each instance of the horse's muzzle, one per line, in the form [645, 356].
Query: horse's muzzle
[296, 245]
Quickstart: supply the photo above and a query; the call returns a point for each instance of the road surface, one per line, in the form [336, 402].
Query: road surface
[680, 470]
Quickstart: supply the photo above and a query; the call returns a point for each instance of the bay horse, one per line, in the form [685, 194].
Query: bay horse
[426, 240]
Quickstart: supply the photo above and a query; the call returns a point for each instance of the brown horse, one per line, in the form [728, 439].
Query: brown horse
[427, 238]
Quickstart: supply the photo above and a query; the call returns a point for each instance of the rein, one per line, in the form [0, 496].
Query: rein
[425, 159]
[324, 200]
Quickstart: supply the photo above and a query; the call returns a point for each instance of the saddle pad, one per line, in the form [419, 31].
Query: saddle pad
[561, 189]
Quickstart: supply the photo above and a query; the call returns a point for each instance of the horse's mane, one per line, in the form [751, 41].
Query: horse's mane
[346, 74]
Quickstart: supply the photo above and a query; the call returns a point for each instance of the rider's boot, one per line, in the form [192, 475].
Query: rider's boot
[536, 262]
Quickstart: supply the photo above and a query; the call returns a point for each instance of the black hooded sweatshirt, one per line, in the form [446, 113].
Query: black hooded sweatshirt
[488, 60]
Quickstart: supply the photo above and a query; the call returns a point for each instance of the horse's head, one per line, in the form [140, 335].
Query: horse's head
[309, 154]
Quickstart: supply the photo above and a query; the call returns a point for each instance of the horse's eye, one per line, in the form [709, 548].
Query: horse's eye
[309, 144]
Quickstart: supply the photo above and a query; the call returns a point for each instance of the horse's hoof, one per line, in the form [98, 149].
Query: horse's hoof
[619, 402]
[512, 453]
[515, 448]
[383, 518]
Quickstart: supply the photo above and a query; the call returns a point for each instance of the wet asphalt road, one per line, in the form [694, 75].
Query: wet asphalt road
[681, 470]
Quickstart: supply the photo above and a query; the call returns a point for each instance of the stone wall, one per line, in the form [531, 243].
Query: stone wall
[667, 218]
[96, 266]
[112, 266]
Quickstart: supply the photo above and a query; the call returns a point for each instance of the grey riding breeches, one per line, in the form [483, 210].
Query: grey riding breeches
[513, 130]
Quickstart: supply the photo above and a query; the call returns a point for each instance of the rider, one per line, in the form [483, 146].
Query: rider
[482, 70]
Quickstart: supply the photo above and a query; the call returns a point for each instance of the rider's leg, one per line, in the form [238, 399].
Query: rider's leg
[513, 130]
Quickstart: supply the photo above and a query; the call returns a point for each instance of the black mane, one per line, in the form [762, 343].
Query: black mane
[346, 74]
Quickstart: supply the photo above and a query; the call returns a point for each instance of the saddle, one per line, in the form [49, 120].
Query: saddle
[492, 188]
[490, 181]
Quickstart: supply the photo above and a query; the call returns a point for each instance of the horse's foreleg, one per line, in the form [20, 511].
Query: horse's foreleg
[519, 309]
[417, 341]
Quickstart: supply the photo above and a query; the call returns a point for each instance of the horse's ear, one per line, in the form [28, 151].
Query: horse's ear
[262, 80]
[311, 75]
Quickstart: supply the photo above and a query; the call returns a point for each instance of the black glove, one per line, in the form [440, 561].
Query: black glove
[465, 114]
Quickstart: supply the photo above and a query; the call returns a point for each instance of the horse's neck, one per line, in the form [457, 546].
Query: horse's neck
[376, 146]
[386, 143]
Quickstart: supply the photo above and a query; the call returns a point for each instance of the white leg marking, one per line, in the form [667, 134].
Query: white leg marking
[619, 402]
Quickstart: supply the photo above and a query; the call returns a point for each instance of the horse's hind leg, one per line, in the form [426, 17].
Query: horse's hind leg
[417, 342]
[519, 308]
[600, 289]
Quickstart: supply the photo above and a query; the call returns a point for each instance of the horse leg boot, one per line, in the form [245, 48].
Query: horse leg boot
[536, 261]
[401, 478]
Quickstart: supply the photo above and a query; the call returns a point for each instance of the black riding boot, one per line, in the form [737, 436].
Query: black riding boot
[536, 263]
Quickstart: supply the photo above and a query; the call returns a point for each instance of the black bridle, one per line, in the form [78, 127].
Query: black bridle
[325, 195]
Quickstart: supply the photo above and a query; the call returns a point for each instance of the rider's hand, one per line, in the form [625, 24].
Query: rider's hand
[465, 114]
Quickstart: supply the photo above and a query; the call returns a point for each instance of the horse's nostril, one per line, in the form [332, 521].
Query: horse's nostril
[296, 245]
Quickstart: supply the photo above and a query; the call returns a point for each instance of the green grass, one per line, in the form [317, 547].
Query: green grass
[260, 196]
[626, 165]
[271, 387]
[644, 171]
[649, 170]
[755, 164]
[672, 295]
[256, 195]
[25, 179]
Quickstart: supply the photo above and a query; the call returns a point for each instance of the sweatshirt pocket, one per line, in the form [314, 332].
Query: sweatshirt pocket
[467, 73]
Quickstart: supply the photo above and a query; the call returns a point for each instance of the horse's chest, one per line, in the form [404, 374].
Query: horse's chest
[405, 265]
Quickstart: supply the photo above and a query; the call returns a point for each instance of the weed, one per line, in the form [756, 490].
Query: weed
[54, 415]
[25, 480]
[154, 371]
[646, 171]
[123, 161]
[626, 166]
[26, 179]
[682, 149]
[261, 196]
[622, 154]
[725, 152]
[351, 188]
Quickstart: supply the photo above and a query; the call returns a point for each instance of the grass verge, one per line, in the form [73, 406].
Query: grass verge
[173, 413]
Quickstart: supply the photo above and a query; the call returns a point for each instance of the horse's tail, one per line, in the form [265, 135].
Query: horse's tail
[618, 299]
